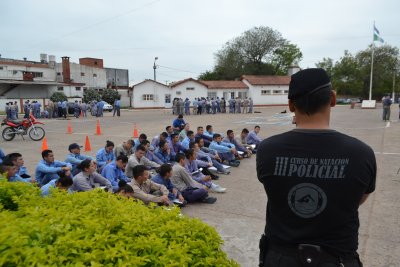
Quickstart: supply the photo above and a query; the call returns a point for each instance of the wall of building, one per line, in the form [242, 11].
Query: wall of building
[117, 77]
[68, 90]
[196, 90]
[92, 77]
[274, 95]
[28, 91]
[125, 97]
[14, 72]
[158, 91]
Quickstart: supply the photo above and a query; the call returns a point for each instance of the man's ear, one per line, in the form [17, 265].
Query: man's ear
[333, 98]
[291, 106]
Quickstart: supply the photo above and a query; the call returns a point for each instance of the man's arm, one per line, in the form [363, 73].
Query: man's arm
[97, 178]
[363, 199]
[47, 169]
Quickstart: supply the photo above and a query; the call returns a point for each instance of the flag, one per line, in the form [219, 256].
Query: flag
[377, 37]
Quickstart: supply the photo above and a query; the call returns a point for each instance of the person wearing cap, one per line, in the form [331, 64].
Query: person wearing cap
[315, 181]
[75, 157]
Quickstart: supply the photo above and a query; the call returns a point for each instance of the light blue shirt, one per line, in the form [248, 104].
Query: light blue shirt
[186, 142]
[46, 188]
[49, 169]
[114, 174]
[253, 138]
[17, 178]
[75, 160]
[103, 156]
[221, 147]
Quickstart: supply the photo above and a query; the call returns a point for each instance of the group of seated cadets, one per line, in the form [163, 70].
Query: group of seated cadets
[174, 168]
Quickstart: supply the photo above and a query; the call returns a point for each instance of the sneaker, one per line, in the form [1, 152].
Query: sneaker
[224, 171]
[233, 163]
[217, 188]
[209, 200]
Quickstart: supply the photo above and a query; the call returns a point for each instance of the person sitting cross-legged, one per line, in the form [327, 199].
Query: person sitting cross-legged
[88, 178]
[105, 155]
[226, 151]
[197, 175]
[48, 168]
[189, 138]
[253, 138]
[124, 149]
[163, 152]
[207, 159]
[150, 155]
[9, 170]
[139, 158]
[191, 190]
[18, 161]
[124, 190]
[62, 183]
[115, 171]
[147, 190]
[163, 178]
[230, 138]
[75, 157]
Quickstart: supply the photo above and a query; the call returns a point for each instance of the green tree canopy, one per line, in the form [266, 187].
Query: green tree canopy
[58, 96]
[260, 50]
[110, 95]
[351, 73]
[90, 95]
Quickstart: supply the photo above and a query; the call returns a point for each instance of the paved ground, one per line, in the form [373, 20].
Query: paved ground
[239, 214]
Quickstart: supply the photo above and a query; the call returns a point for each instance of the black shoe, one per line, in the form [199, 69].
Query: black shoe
[214, 177]
[209, 200]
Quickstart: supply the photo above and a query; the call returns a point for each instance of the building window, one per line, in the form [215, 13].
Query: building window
[232, 95]
[77, 88]
[94, 75]
[148, 97]
[58, 73]
[15, 72]
[60, 88]
[265, 92]
[1, 68]
[242, 95]
[84, 89]
[37, 74]
[178, 92]
[167, 99]
[82, 74]
[190, 88]
[277, 92]
[212, 95]
[286, 91]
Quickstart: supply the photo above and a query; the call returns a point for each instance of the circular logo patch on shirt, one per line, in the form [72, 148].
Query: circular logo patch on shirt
[307, 200]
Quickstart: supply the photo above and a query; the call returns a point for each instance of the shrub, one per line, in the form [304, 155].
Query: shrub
[11, 192]
[58, 96]
[90, 95]
[110, 95]
[100, 229]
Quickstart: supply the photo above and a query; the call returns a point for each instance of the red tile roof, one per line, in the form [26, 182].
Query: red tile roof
[172, 85]
[266, 79]
[225, 84]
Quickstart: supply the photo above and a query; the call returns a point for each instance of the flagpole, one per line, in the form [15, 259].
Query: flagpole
[372, 62]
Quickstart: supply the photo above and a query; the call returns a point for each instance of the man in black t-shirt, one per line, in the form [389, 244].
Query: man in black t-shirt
[315, 179]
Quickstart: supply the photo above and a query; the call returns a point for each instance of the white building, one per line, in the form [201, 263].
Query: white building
[267, 90]
[151, 94]
[189, 88]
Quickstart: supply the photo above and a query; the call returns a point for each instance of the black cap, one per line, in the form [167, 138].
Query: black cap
[73, 146]
[308, 81]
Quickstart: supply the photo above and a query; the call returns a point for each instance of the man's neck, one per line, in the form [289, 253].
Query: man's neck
[315, 121]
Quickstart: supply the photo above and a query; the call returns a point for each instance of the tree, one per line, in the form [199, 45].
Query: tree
[351, 73]
[58, 96]
[110, 95]
[260, 50]
[90, 95]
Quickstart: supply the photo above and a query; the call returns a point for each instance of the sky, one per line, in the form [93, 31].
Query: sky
[185, 34]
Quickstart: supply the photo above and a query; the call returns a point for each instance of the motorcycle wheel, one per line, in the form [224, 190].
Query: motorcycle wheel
[37, 133]
[8, 134]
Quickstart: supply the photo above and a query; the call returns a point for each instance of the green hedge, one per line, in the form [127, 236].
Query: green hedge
[99, 229]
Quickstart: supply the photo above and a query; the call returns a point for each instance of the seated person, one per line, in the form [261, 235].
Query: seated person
[200, 134]
[1, 156]
[189, 138]
[149, 153]
[197, 175]
[253, 138]
[75, 157]
[170, 131]
[230, 138]
[17, 160]
[163, 152]
[124, 190]
[88, 178]
[139, 158]
[105, 155]
[48, 168]
[156, 140]
[178, 123]
[184, 131]
[191, 190]
[138, 141]
[146, 190]
[62, 183]
[206, 160]
[9, 170]
[115, 171]
[209, 132]
[124, 149]
[226, 151]
[175, 145]
[243, 140]
[163, 178]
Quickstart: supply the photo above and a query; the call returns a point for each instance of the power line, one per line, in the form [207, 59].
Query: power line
[177, 69]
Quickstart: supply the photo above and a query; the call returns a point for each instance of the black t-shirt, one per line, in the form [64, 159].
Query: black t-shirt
[314, 180]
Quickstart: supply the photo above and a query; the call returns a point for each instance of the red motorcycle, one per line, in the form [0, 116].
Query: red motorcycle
[23, 127]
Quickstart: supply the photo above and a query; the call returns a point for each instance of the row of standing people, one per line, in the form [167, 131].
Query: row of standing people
[212, 106]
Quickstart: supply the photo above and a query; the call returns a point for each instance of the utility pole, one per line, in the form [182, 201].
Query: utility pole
[155, 67]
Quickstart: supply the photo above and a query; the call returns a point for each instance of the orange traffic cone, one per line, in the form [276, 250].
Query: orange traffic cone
[135, 131]
[81, 115]
[98, 128]
[87, 144]
[69, 128]
[44, 144]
